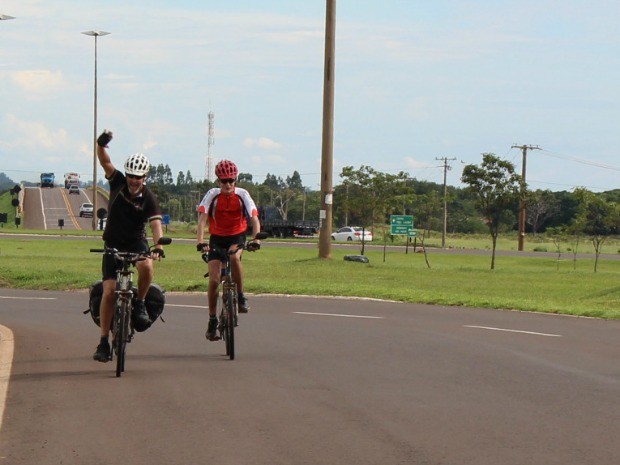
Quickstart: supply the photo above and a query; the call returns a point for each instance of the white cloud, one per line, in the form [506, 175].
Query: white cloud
[34, 135]
[262, 143]
[423, 78]
[270, 159]
[416, 164]
[39, 83]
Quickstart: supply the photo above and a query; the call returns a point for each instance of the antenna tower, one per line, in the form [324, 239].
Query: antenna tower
[209, 168]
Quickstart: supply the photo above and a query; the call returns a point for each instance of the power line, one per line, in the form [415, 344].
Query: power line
[580, 160]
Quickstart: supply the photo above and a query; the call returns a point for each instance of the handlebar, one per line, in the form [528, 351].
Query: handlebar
[259, 236]
[133, 257]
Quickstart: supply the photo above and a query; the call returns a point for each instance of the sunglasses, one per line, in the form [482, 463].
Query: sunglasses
[227, 181]
[133, 176]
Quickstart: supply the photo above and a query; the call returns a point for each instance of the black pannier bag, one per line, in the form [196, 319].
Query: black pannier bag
[154, 301]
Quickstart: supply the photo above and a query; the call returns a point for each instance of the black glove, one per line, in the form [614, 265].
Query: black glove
[104, 139]
[252, 246]
[159, 252]
[201, 246]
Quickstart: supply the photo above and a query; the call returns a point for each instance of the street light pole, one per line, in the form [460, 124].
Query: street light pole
[95, 34]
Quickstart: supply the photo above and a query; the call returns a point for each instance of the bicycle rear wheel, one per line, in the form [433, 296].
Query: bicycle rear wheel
[120, 341]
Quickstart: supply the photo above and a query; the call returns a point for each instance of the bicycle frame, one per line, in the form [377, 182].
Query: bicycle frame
[228, 308]
[122, 328]
[228, 302]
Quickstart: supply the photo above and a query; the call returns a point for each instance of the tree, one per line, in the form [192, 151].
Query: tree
[294, 182]
[273, 182]
[180, 182]
[5, 182]
[598, 218]
[189, 180]
[496, 187]
[244, 177]
[370, 193]
[541, 205]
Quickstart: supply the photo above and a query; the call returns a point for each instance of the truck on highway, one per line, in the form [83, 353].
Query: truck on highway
[272, 223]
[72, 179]
[47, 179]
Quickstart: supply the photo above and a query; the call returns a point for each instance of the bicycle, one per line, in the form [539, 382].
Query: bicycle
[122, 328]
[227, 300]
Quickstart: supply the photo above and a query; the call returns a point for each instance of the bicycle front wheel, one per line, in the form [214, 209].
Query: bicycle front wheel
[229, 302]
[120, 340]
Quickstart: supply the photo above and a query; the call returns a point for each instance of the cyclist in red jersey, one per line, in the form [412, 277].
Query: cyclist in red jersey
[226, 210]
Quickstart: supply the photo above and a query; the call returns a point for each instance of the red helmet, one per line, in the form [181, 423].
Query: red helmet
[226, 169]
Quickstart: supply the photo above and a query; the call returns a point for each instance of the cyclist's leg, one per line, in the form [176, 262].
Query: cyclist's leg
[212, 297]
[145, 277]
[106, 309]
[144, 267]
[139, 316]
[237, 269]
[215, 260]
[237, 273]
[103, 352]
[215, 267]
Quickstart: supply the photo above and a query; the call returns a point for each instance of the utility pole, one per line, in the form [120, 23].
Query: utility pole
[524, 149]
[446, 167]
[327, 151]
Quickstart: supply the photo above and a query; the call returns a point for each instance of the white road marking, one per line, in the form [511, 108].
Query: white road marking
[42, 209]
[26, 298]
[340, 315]
[187, 306]
[513, 331]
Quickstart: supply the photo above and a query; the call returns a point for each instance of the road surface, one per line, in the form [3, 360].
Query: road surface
[43, 207]
[315, 381]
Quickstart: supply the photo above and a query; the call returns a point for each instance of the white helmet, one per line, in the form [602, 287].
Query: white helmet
[137, 164]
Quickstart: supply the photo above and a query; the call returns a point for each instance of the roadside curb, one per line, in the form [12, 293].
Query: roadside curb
[6, 360]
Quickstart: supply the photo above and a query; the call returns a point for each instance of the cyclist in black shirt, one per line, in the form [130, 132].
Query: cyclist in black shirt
[130, 207]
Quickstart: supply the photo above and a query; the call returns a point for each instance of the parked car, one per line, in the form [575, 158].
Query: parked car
[351, 233]
[86, 209]
[73, 189]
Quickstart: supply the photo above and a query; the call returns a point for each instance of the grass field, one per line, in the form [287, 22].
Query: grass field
[539, 284]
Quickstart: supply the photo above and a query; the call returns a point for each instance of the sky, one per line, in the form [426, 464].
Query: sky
[416, 81]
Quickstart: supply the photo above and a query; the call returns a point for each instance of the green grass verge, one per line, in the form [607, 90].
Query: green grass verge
[520, 283]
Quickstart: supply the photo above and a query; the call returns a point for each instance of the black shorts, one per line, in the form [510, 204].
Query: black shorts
[109, 264]
[218, 245]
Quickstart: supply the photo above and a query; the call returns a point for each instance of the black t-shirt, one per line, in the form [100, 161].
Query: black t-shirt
[127, 217]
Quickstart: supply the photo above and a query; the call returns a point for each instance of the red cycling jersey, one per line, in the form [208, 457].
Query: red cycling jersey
[228, 214]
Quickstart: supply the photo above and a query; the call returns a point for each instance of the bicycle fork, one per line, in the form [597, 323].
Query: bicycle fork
[124, 299]
[228, 289]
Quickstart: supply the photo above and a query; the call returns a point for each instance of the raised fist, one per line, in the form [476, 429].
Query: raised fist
[104, 139]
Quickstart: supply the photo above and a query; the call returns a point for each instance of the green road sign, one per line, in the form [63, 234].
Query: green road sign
[401, 225]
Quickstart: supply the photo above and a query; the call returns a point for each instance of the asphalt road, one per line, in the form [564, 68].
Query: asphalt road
[315, 381]
[43, 207]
